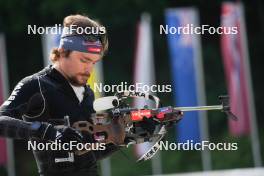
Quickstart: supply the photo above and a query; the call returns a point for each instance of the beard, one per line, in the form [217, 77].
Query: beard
[82, 81]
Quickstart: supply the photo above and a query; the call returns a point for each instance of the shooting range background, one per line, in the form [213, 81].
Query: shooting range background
[25, 56]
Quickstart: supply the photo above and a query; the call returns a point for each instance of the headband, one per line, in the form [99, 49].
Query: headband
[87, 43]
[80, 43]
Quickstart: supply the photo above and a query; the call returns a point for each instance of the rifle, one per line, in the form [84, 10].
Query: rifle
[118, 123]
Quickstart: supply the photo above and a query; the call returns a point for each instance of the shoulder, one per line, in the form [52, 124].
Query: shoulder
[23, 91]
[31, 84]
[27, 84]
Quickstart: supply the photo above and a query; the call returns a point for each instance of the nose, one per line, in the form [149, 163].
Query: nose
[89, 67]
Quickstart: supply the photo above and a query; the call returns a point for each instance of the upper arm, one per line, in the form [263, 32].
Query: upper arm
[16, 105]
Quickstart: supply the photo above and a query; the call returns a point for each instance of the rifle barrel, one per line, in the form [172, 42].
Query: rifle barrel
[199, 108]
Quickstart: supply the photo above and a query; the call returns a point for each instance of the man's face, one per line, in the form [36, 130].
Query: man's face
[78, 66]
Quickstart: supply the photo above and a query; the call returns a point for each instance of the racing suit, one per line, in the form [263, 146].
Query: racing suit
[48, 97]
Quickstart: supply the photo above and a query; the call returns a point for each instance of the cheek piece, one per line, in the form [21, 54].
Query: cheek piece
[81, 44]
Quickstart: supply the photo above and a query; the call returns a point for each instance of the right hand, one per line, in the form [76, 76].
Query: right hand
[66, 134]
[46, 131]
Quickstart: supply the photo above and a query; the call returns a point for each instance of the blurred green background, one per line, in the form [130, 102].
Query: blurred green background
[25, 56]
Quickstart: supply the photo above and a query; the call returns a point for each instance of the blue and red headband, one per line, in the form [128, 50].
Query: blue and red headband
[87, 43]
[80, 43]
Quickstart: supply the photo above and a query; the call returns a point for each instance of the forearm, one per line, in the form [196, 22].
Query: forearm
[14, 128]
[19, 129]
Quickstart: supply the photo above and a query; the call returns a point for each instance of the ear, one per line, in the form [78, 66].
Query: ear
[61, 52]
